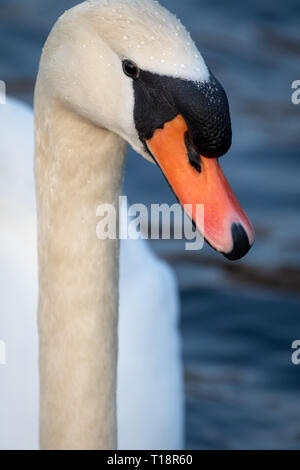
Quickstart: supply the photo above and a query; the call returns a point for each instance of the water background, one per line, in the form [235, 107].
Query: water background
[238, 320]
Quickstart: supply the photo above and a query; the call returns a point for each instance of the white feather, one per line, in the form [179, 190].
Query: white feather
[150, 395]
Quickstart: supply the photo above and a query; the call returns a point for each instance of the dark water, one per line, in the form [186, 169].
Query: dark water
[242, 389]
[238, 319]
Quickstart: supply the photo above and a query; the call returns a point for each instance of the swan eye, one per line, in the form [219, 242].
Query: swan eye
[130, 69]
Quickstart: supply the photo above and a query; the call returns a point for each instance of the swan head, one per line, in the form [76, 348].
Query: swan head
[131, 67]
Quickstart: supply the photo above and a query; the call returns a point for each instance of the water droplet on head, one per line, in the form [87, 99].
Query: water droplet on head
[125, 38]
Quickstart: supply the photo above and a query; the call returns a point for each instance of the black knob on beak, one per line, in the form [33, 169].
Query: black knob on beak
[206, 111]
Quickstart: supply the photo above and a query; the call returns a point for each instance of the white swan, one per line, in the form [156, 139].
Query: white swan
[114, 70]
[150, 398]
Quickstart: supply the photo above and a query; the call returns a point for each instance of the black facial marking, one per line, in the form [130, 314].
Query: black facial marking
[154, 105]
[241, 244]
[204, 106]
[194, 156]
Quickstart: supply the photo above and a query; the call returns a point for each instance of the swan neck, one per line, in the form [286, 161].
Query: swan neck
[77, 166]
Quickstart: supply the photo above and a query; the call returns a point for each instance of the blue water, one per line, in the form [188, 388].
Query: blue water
[237, 323]
[242, 390]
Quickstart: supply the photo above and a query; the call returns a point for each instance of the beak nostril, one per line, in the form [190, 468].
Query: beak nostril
[193, 155]
[241, 244]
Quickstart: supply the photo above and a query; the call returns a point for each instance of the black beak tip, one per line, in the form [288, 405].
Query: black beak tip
[241, 244]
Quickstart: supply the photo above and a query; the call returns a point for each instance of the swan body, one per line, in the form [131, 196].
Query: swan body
[149, 396]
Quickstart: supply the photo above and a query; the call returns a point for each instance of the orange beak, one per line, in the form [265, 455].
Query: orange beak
[226, 227]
